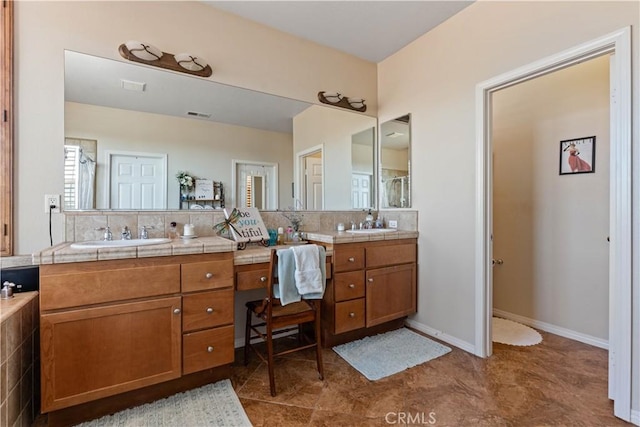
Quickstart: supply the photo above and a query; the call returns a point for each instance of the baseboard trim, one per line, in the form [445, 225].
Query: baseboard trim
[553, 329]
[635, 417]
[456, 342]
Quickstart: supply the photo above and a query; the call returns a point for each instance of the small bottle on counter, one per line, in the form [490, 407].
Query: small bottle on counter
[280, 239]
[173, 231]
[289, 235]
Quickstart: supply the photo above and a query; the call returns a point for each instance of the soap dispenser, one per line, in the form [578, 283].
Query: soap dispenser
[369, 217]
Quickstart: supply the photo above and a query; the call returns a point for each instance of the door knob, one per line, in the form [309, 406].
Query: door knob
[498, 261]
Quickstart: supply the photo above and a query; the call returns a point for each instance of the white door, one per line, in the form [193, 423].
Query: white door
[313, 183]
[361, 190]
[137, 181]
[250, 177]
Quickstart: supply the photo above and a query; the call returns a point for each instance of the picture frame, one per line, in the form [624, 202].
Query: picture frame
[578, 155]
[246, 226]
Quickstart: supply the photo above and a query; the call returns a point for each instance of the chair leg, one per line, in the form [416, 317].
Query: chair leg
[319, 344]
[247, 337]
[272, 380]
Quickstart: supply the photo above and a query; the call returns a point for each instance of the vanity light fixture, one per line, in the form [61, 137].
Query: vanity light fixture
[145, 53]
[339, 100]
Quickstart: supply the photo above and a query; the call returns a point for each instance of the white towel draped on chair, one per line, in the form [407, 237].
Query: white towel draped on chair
[308, 276]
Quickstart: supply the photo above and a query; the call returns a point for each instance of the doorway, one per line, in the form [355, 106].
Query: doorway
[310, 179]
[550, 223]
[618, 46]
[136, 180]
[255, 184]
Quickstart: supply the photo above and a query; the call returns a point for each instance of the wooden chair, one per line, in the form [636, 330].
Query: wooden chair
[277, 320]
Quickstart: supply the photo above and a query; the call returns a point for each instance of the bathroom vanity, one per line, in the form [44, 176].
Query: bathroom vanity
[120, 327]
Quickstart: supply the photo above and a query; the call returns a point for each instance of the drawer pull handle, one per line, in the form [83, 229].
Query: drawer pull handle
[176, 311]
[263, 279]
[352, 314]
[352, 259]
[210, 349]
[351, 285]
[370, 279]
[208, 275]
[209, 310]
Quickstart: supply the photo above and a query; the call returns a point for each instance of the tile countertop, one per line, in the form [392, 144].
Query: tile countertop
[10, 306]
[62, 253]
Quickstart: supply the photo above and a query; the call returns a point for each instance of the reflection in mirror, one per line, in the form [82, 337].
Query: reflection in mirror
[256, 184]
[80, 173]
[395, 162]
[340, 139]
[362, 169]
[201, 126]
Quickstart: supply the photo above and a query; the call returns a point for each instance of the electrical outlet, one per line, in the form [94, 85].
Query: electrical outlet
[52, 200]
[393, 223]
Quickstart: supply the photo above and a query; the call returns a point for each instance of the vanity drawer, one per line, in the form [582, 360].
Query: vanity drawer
[382, 256]
[207, 349]
[348, 259]
[349, 285]
[349, 315]
[207, 309]
[200, 276]
[252, 276]
[80, 284]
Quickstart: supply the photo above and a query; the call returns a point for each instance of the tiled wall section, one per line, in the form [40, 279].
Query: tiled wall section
[81, 226]
[19, 370]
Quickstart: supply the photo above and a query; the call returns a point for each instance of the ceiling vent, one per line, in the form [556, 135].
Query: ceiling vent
[131, 85]
[394, 134]
[199, 115]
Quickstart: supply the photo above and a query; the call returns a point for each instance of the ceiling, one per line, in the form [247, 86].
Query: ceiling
[371, 30]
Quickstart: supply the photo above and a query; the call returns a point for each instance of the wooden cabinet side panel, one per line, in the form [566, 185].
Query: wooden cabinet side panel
[91, 353]
[390, 293]
[75, 289]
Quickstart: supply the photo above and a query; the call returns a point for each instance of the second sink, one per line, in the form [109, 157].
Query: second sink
[97, 244]
[371, 230]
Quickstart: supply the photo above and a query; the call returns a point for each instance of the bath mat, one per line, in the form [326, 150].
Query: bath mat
[212, 405]
[513, 333]
[386, 354]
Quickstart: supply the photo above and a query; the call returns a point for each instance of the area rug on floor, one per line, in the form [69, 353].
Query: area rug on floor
[386, 354]
[212, 405]
[513, 333]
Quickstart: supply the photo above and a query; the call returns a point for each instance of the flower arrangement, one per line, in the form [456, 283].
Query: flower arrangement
[185, 180]
[295, 218]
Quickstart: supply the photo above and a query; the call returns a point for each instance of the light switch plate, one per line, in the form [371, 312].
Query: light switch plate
[393, 223]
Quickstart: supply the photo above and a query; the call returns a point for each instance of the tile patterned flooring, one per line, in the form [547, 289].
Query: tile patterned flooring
[559, 382]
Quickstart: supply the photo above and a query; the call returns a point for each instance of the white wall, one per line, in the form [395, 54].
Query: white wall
[203, 148]
[551, 229]
[242, 53]
[311, 128]
[434, 78]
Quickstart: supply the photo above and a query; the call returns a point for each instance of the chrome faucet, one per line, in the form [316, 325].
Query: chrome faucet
[144, 234]
[126, 233]
[107, 233]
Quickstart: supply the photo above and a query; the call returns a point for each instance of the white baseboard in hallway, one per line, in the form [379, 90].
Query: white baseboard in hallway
[456, 342]
[552, 329]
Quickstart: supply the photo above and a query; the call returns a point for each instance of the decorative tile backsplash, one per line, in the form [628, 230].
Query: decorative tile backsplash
[81, 226]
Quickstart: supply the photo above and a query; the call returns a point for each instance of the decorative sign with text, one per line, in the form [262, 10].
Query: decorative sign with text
[246, 225]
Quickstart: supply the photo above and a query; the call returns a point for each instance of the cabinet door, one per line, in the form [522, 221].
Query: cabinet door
[390, 294]
[96, 352]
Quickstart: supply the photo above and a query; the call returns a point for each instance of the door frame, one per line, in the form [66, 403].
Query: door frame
[299, 168]
[273, 199]
[108, 155]
[618, 45]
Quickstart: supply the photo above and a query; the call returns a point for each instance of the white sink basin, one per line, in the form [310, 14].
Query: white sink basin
[371, 230]
[97, 244]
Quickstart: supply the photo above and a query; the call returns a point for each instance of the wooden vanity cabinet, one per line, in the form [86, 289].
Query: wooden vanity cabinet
[110, 327]
[373, 283]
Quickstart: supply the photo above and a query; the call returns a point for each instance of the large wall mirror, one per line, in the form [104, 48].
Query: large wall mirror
[149, 124]
[395, 163]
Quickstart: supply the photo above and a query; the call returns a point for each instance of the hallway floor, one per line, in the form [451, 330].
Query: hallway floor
[559, 382]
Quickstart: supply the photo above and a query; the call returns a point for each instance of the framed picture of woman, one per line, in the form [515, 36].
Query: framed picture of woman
[578, 155]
